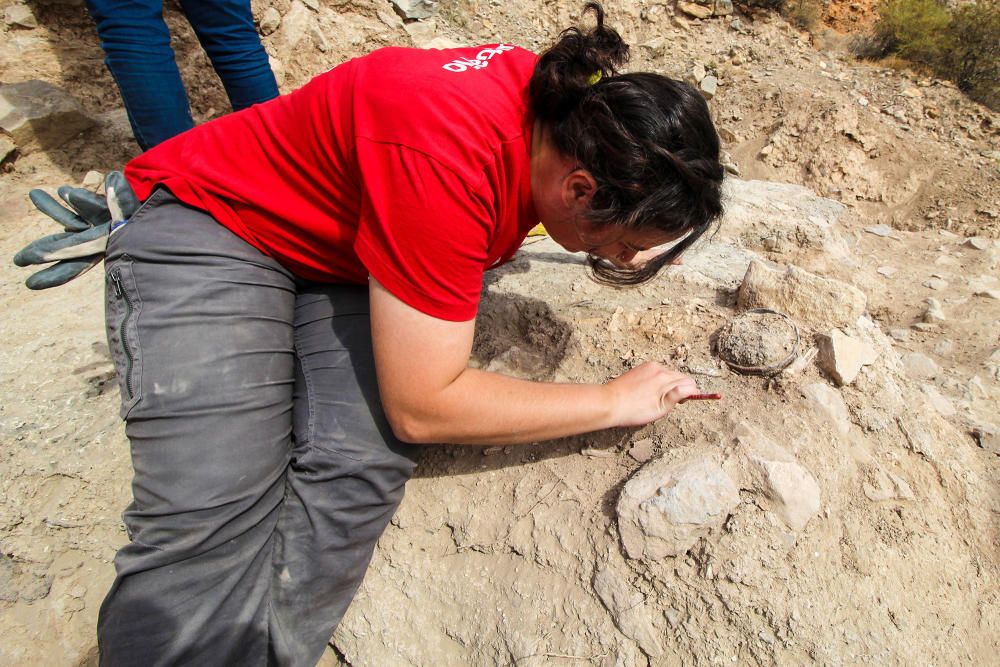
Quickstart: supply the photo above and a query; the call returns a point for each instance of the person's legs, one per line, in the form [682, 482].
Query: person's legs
[200, 325]
[226, 31]
[346, 476]
[137, 51]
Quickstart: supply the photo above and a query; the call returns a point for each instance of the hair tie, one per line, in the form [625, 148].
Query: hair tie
[595, 77]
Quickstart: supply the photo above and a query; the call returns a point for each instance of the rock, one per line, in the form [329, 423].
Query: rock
[919, 366]
[829, 404]
[934, 312]
[695, 10]
[822, 302]
[708, 86]
[944, 348]
[899, 334]
[20, 16]
[40, 116]
[771, 470]
[989, 293]
[936, 283]
[842, 356]
[416, 9]
[319, 39]
[941, 403]
[977, 242]
[7, 149]
[311, 4]
[92, 180]
[391, 19]
[887, 486]
[887, 271]
[926, 327]
[642, 450]
[628, 609]
[987, 437]
[698, 72]
[270, 21]
[294, 25]
[723, 7]
[667, 506]
[880, 230]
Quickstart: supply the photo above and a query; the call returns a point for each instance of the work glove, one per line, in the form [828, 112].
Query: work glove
[88, 222]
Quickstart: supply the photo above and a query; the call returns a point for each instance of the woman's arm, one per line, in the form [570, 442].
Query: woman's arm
[431, 395]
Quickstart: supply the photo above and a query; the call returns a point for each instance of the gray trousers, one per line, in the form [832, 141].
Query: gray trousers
[265, 470]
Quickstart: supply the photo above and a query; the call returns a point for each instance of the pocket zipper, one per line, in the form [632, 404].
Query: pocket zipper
[116, 282]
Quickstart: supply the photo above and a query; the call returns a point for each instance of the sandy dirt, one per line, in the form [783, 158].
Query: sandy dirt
[506, 555]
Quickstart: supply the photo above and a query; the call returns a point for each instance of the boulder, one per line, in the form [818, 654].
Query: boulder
[842, 356]
[822, 302]
[667, 506]
[40, 116]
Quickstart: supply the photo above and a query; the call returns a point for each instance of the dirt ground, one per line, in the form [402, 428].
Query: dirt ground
[496, 555]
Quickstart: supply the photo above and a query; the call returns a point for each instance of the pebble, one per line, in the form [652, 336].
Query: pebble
[642, 450]
[887, 271]
[20, 16]
[270, 21]
[880, 230]
[936, 283]
[899, 334]
[93, 180]
[934, 313]
[977, 242]
[989, 293]
[926, 327]
[709, 86]
[842, 356]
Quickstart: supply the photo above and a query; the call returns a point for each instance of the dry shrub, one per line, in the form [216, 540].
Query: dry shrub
[961, 44]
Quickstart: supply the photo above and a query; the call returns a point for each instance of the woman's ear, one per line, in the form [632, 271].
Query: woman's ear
[577, 190]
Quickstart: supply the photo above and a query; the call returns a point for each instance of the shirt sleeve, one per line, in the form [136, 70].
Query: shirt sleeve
[424, 233]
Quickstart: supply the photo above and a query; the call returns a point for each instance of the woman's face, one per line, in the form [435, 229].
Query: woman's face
[625, 248]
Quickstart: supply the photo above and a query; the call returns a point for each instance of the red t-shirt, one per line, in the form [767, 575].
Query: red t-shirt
[410, 165]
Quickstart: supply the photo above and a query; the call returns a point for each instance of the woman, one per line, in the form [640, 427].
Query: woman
[289, 255]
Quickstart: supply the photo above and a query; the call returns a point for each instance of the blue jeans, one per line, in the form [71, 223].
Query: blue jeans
[265, 469]
[136, 44]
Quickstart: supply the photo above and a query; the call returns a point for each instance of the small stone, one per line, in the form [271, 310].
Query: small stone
[673, 617]
[879, 230]
[708, 86]
[989, 293]
[887, 271]
[270, 21]
[642, 450]
[977, 242]
[934, 313]
[842, 356]
[698, 72]
[319, 39]
[416, 9]
[92, 180]
[899, 334]
[926, 327]
[723, 8]
[594, 453]
[936, 283]
[391, 19]
[695, 10]
[20, 16]
[919, 366]
[311, 4]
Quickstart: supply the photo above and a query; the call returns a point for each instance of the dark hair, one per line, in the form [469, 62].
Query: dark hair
[647, 140]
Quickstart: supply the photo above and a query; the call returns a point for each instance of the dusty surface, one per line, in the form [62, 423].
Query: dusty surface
[512, 555]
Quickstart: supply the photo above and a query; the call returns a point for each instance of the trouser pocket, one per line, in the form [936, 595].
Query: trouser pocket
[123, 306]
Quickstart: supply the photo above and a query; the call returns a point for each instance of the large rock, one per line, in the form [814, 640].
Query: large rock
[842, 356]
[628, 609]
[667, 506]
[821, 302]
[40, 116]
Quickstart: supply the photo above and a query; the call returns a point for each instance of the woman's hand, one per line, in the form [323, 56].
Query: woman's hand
[647, 393]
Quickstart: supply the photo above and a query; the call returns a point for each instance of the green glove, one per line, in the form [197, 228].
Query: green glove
[88, 221]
